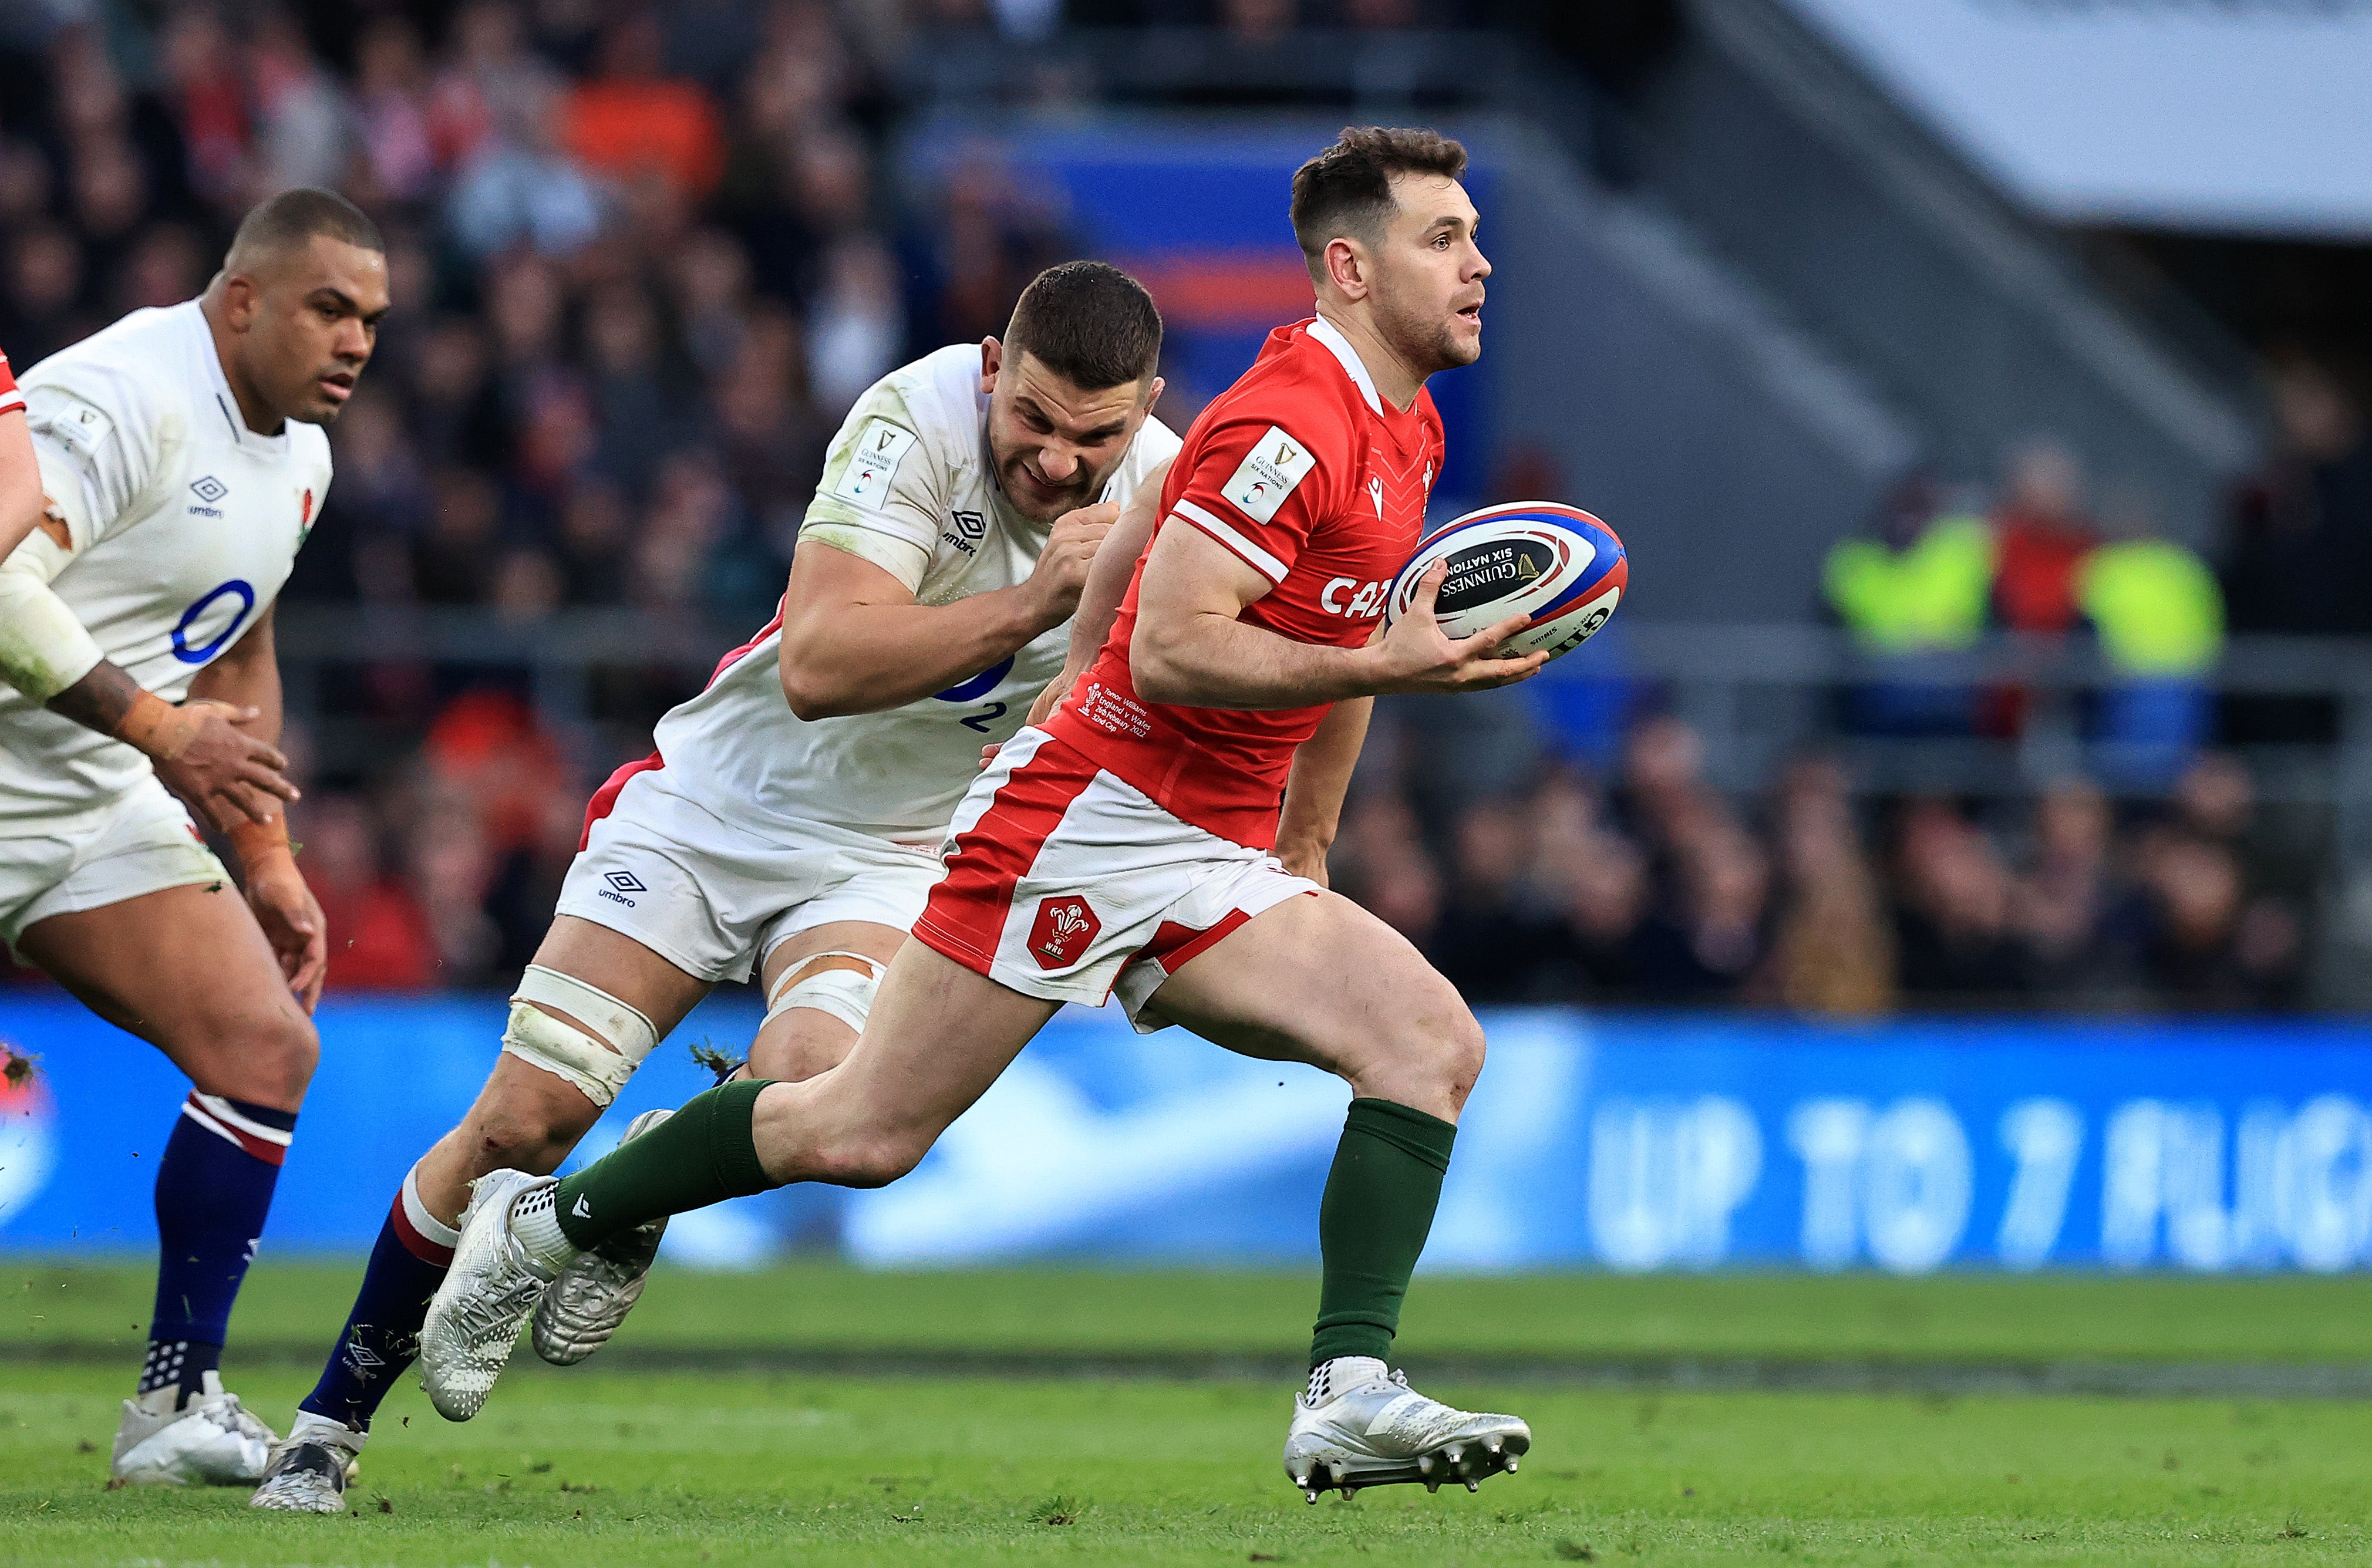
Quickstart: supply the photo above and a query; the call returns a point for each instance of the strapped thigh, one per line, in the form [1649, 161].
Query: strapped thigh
[598, 1057]
[844, 994]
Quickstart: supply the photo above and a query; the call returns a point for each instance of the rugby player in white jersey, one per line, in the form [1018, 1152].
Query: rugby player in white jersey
[183, 462]
[789, 821]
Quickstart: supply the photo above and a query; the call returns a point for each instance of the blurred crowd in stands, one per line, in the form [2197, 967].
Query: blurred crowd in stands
[1648, 885]
[645, 257]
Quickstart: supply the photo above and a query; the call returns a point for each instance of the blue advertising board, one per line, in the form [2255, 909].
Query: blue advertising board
[1631, 1141]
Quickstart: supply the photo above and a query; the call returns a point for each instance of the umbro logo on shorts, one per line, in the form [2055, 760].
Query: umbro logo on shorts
[209, 489]
[1062, 931]
[625, 882]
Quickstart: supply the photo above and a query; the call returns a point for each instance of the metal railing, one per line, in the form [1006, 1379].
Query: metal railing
[1759, 693]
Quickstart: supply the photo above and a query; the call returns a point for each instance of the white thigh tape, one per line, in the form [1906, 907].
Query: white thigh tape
[845, 994]
[584, 1059]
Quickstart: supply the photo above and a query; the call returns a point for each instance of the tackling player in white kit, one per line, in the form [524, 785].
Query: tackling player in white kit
[789, 821]
[182, 464]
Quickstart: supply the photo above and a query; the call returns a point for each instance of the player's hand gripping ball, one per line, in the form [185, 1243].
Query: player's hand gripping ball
[1556, 564]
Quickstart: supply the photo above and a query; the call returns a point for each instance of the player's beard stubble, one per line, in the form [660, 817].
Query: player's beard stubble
[1423, 332]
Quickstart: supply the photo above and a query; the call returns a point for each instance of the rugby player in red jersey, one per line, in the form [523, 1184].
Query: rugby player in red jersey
[1135, 843]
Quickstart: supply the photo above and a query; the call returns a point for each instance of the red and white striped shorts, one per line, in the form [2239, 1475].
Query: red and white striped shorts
[1064, 882]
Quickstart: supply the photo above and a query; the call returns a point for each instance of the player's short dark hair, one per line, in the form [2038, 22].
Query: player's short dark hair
[1089, 323]
[279, 223]
[1346, 191]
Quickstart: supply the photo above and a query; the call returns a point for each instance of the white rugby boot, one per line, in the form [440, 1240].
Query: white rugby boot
[579, 1312]
[211, 1440]
[1357, 1425]
[475, 1318]
[310, 1467]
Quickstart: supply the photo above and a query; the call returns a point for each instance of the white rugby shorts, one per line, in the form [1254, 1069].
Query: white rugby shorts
[139, 841]
[714, 897]
[1067, 883]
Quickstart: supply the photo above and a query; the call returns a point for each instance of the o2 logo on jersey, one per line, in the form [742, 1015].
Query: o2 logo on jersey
[1348, 596]
[973, 690]
[979, 686]
[205, 609]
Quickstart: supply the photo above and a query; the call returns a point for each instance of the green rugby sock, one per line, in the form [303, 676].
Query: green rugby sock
[706, 1152]
[1373, 1222]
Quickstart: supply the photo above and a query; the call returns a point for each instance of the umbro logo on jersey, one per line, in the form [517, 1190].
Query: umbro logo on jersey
[966, 534]
[582, 1210]
[209, 489]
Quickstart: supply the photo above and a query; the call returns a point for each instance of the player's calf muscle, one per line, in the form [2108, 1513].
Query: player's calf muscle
[801, 1135]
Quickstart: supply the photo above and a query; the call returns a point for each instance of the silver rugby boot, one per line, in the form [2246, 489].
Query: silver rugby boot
[579, 1312]
[211, 1440]
[475, 1320]
[310, 1468]
[1358, 1424]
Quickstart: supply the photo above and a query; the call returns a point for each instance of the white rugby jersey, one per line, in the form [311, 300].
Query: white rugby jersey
[183, 523]
[908, 485]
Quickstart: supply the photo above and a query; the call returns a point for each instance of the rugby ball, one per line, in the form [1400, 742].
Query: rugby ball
[1556, 564]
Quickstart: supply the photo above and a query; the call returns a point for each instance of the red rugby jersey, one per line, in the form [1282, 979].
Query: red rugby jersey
[10, 397]
[1308, 476]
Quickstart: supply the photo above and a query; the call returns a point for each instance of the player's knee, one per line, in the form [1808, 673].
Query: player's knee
[521, 1133]
[1438, 1054]
[1458, 1058]
[268, 1060]
[503, 1144]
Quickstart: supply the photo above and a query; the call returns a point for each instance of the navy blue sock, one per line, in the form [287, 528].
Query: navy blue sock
[214, 1187]
[383, 1333]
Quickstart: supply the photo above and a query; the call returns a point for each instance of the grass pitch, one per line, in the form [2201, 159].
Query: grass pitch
[591, 1467]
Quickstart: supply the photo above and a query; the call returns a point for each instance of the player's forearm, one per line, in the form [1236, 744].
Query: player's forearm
[109, 701]
[45, 652]
[99, 699]
[1108, 577]
[1207, 660]
[1320, 778]
[867, 658]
